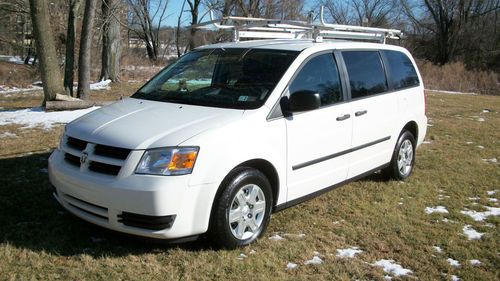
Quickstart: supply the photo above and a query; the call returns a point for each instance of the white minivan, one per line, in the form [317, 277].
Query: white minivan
[233, 132]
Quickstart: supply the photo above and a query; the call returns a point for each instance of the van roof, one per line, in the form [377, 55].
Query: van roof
[299, 45]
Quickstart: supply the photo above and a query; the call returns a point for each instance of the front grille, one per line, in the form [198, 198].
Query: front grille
[76, 143]
[110, 151]
[104, 168]
[146, 222]
[72, 159]
[101, 158]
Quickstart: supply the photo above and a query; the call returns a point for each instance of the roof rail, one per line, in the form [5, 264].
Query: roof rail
[261, 28]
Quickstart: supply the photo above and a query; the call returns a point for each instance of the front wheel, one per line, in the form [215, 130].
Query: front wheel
[242, 210]
[403, 158]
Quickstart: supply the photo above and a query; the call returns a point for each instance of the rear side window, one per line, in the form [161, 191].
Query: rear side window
[366, 73]
[402, 72]
[320, 74]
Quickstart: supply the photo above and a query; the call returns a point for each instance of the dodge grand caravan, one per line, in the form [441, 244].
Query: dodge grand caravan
[232, 132]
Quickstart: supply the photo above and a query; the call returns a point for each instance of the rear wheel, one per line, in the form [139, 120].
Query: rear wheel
[242, 210]
[403, 158]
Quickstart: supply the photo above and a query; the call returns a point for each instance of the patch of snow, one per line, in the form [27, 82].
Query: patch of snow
[427, 142]
[491, 160]
[455, 278]
[474, 198]
[101, 85]
[242, 257]
[393, 268]
[446, 220]
[315, 260]
[480, 147]
[37, 117]
[438, 249]
[7, 135]
[491, 192]
[486, 110]
[493, 200]
[300, 235]
[12, 90]
[475, 262]
[291, 265]
[348, 253]
[252, 252]
[430, 125]
[481, 216]
[469, 142]
[453, 262]
[276, 237]
[387, 277]
[471, 233]
[480, 119]
[451, 92]
[437, 209]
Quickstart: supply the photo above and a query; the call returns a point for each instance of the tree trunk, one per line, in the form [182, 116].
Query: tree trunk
[46, 50]
[111, 42]
[72, 105]
[69, 65]
[83, 91]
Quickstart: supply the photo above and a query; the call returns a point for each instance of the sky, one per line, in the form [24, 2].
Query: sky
[174, 8]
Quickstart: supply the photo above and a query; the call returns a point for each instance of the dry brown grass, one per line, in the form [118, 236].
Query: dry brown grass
[17, 75]
[455, 77]
[38, 240]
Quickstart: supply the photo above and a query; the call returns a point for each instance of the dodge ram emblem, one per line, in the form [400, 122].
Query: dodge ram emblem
[84, 157]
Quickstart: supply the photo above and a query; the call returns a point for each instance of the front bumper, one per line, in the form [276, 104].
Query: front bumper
[164, 207]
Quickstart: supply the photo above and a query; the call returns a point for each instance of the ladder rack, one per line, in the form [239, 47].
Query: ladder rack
[261, 28]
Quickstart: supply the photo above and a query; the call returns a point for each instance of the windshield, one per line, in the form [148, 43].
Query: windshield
[231, 78]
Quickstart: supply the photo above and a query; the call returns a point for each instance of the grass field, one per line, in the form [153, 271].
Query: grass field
[386, 220]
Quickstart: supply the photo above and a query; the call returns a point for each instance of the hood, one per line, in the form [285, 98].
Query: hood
[141, 124]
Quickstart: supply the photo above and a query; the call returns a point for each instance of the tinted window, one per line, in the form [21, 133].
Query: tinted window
[366, 73]
[320, 75]
[402, 72]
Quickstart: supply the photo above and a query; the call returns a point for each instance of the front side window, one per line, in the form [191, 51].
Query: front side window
[231, 78]
[403, 73]
[366, 73]
[320, 75]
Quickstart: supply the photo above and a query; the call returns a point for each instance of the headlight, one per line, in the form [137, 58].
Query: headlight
[168, 161]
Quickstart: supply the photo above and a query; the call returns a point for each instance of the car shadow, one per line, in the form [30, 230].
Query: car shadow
[31, 218]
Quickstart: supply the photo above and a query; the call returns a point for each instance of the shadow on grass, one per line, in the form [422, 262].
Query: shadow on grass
[31, 218]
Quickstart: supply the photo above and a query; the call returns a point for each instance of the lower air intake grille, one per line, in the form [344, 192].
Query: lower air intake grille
[146, 222]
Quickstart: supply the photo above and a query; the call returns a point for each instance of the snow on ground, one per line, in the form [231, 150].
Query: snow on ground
[242, 257]
[12, 59]
[494, 200]
[38, 117]
[12, 90]
[474, 198]
[438, 249]
[492, 192]
[300, 235]
[491, 160]
[450, 92]
[348, 253]
[455, 278]
[393, 268]
[471, 233]
[101, 85]
[276, 237]
[437, 209]
[291, 265]
[7, 135]
[480, 119]
[427, 142]
[315, 260]
[475, 262]
[453, 262]
[480, 146]
[481, 216]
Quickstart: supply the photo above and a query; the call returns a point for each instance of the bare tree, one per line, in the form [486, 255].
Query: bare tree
[69, 65]
[83, 91]
[111, 41]
[49, 69]
[194, 6]
[142, 15]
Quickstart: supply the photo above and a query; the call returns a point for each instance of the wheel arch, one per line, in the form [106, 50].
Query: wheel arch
[412, 127]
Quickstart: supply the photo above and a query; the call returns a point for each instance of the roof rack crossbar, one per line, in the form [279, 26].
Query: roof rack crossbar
[261, 28]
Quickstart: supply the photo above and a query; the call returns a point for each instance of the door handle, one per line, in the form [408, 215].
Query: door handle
[343, 117]
[359, 113]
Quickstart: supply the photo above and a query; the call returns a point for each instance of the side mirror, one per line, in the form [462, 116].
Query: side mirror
[303, 100]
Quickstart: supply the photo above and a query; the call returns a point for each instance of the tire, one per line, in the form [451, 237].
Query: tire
[242, 210]
[403, 158]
